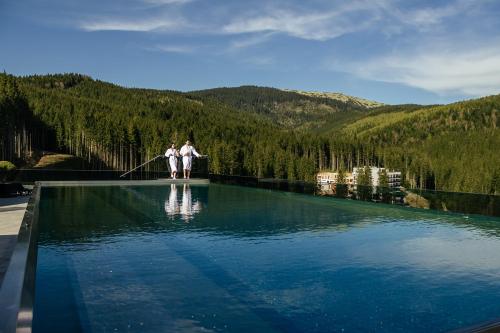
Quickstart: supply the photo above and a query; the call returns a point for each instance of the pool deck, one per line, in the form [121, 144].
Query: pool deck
[11, 215]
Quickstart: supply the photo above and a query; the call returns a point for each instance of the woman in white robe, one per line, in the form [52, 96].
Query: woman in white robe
[187, 152]
[172, 155]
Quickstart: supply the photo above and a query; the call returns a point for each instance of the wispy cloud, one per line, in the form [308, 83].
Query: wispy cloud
[174, 48]
[320, 26]
[404, 48]
[310, 24]
[146, 25]
[473, 72]
[423, 18]
[250, 41]
[167, 2]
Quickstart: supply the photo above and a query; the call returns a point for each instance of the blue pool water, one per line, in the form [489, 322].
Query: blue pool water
[228, 258]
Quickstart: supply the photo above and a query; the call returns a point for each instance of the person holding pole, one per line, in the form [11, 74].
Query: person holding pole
[172, 155]
[187, 151]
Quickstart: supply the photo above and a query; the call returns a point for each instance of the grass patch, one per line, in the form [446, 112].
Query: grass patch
[60, 161]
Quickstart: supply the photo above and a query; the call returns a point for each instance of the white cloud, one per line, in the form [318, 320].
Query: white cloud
[312, 26]
[167, 2]
[426, 16]
[345, 18]
[103, 24]
[472, 71]
[175, 48]
[251, 41]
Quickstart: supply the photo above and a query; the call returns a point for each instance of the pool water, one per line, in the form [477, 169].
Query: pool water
[228, 258]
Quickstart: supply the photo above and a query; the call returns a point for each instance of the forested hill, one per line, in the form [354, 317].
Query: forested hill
[290, 109]
[254, 131]
[456, 145]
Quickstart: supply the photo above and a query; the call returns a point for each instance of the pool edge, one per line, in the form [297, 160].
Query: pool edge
[156, 182]
[18, 287]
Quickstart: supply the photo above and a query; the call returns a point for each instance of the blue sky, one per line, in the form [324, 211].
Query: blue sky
[393, 51]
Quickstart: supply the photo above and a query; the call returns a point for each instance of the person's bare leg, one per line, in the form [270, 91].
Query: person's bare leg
[185, 173]
[189, 173]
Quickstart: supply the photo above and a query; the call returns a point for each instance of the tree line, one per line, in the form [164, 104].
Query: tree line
[452, 147]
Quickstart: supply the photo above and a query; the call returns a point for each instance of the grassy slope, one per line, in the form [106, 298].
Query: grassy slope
[61, 161]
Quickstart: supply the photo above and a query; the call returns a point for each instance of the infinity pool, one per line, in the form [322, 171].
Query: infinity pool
[228, 258]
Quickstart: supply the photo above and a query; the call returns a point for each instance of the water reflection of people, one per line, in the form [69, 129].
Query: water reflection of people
[171, 204]
[187, 207]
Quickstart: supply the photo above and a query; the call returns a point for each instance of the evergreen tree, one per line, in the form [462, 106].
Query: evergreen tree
[341, 176]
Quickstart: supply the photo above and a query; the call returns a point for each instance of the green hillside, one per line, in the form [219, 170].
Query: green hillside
[117, 128]
[248, 130]
[457, 145]
[289, 109]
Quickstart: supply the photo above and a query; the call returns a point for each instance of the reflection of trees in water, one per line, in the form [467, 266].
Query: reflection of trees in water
[186, 207]
[467, 203]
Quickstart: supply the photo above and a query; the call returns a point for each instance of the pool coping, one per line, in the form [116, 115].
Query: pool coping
[17, 290]
[155, 182]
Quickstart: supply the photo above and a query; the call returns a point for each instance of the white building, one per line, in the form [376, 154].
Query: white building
[394, 177]
[327, 178]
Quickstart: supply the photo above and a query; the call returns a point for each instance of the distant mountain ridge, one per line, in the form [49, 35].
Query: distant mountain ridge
[290, 109]
[340, 97]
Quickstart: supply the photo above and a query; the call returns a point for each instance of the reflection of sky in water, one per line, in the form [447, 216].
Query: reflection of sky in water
[186, 207]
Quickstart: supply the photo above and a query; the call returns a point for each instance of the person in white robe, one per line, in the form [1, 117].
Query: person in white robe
[187, 152]
[172, 155]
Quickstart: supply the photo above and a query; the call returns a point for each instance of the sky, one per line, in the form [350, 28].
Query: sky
[392, 51]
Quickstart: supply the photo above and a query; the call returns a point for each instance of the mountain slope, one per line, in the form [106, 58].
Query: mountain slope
[118, 128]
[287, 108]
[457, 145]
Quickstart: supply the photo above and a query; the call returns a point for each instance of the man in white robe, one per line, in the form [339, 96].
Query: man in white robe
[187, 151]
[172, 154]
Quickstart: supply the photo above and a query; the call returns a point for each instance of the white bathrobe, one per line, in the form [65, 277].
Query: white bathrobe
[172, 159]
[187, 153]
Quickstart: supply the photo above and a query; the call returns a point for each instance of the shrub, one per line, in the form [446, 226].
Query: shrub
[7, 171]
[6, 166]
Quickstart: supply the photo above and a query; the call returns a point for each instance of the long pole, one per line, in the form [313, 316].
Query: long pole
[137, 167]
